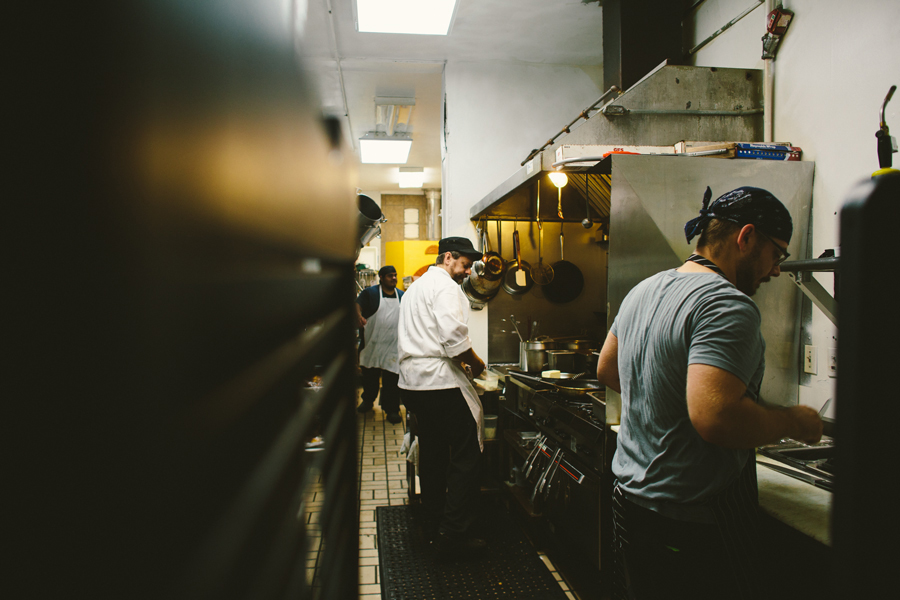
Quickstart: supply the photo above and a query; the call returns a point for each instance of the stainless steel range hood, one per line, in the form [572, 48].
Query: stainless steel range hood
[670, 104]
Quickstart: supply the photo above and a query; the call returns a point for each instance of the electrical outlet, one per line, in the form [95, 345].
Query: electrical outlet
[832, 362]
[809, 360]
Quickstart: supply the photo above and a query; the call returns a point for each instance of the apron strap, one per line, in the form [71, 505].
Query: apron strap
[736, 510]
[705, 262]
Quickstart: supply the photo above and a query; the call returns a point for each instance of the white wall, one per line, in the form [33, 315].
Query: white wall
[496, 113]
[835, 65]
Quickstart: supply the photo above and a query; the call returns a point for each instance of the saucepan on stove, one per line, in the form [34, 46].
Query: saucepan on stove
[566, 384]
[575, 387]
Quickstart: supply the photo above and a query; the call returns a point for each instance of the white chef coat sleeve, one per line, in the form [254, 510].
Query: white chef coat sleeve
[453, 332]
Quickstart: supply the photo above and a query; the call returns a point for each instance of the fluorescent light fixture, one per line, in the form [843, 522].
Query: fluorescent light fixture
[424, 17]
[392, 115]
[412, 177]
[384, 150]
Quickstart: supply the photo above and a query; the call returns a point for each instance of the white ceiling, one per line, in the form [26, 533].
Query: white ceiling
[565, 32]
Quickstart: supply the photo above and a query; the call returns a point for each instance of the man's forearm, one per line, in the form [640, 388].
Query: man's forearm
[724, 415]
[746, 424]
[608, 364]
[470, 358]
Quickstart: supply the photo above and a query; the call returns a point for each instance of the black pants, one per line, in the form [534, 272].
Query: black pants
[390, 394]
[659, 557]
[449, 457]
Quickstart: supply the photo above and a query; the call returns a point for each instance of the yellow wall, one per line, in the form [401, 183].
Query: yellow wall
[410, 257]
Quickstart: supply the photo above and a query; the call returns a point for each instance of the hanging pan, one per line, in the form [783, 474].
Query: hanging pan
[517, 279]
[494, 265]
[568, 281]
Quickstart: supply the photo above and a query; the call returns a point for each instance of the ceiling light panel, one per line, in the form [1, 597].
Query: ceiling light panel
[384, 150]
[412, 177]
[431, 17]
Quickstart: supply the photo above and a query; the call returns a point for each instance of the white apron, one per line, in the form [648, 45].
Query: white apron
[468, 391]
[380, 351]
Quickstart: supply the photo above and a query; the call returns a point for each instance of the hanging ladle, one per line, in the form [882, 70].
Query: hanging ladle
[587, 223]
[541, 273]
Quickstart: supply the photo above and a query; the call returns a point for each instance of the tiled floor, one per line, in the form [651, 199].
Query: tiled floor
[382, 482]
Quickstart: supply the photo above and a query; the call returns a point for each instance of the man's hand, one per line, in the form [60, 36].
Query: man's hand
[477, 367]
[807, 424]
[470, 358]
[361, 321]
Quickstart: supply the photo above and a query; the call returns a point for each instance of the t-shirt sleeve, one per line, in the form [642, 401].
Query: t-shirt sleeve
[725, 334]
[366, 301]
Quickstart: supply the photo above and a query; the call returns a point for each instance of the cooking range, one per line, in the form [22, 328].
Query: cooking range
[574, 423]
[557, 462]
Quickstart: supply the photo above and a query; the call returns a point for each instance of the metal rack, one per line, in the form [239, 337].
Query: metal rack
[180, 397]
[801, 272]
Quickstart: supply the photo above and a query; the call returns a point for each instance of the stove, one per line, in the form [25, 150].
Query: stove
[571, 423]
[558, 464]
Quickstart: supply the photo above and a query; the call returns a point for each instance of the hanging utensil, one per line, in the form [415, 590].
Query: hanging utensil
[587, 223]
[541, 273]
[512, 319]
[521, 273]
[559, 203]
[568, 280]
[494, 265]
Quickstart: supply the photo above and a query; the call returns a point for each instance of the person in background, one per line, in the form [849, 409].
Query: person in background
[435, 355]
[378, 310]
[687, 355]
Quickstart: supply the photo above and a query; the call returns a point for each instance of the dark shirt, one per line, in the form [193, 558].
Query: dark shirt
[370, 297]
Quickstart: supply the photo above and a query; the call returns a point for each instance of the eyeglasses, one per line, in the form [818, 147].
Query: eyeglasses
[784, 253]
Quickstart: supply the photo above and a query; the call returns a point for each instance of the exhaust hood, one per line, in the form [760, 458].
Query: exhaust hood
[671, 104]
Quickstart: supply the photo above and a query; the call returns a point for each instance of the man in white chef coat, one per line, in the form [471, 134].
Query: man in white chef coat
[435, 350]
[378, 310]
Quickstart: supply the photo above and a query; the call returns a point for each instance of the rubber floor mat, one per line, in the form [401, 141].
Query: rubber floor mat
[508, 568]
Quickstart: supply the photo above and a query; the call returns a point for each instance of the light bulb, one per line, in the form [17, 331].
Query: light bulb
[559, 179]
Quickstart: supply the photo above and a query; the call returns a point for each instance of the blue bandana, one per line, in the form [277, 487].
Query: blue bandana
[744, 206]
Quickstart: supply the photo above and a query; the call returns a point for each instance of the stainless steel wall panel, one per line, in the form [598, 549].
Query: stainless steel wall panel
[653, 197]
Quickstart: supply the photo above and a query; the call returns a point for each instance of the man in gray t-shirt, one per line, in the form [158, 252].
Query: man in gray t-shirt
[686, 353]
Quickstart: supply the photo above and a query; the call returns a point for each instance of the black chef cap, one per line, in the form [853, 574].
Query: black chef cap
[744, 206]
[459, 244]
[385, 270]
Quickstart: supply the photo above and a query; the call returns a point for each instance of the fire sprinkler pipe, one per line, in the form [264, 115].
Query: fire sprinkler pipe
[585, 114]
[337, 61]
[768, 88]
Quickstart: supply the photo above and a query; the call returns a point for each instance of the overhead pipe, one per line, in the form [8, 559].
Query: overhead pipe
[337, 60]
[432, 214]
[724, 28]
[768, 89]
[584, 115]
[621, 111]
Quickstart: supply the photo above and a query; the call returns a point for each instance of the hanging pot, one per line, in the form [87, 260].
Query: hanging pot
[475, 297]
[568, 281]
[492, 264]
[482, 281]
